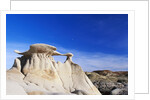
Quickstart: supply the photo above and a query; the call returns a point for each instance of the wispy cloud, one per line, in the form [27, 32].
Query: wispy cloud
[89, 61]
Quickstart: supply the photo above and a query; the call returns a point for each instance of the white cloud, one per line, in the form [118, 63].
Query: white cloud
[87, 60]
[96, 61]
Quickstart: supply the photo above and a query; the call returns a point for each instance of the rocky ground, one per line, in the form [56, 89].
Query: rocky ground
[110, 83]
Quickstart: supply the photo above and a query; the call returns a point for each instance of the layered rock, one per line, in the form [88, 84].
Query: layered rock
[37, 73]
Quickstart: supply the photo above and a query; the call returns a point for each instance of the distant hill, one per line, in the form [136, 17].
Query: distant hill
[112, 73]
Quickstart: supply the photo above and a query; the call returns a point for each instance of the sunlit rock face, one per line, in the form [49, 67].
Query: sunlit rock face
[37, 73]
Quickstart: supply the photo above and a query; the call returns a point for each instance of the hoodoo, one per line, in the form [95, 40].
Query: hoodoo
[37, 73]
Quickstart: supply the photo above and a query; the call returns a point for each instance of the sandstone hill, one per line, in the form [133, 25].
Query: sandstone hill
[37, 73]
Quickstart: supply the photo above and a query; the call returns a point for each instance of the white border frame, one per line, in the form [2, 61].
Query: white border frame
[141, 27]
[131, 41]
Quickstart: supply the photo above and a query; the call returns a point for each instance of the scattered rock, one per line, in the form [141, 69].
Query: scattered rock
[123, 91]
[110, 83]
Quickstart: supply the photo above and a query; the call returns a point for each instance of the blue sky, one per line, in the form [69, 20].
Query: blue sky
[98, 41]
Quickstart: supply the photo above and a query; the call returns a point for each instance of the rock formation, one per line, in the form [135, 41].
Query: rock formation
[37, 73]
[110, 83]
